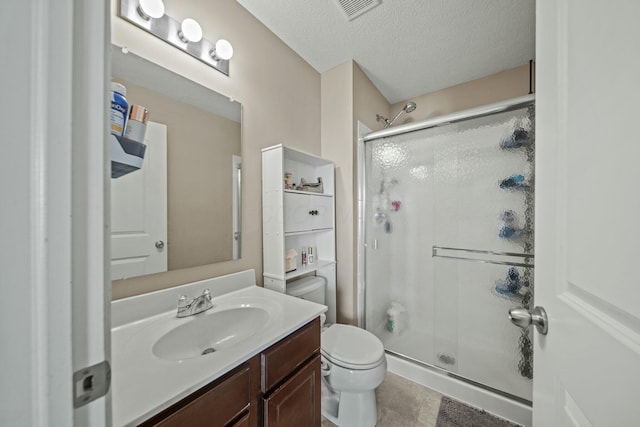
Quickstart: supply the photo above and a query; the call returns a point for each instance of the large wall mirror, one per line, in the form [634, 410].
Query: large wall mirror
[182, 208]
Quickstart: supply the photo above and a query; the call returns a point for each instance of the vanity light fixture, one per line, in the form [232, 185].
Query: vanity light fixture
[148, 9]
[190, 31]
[186, 35]
[223, 51]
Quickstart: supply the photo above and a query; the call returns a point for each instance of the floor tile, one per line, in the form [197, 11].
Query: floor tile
[327, 423]
[403, 403]
[389, 418]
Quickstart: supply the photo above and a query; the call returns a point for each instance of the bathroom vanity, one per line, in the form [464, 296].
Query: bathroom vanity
[264, 374]
[278, 387]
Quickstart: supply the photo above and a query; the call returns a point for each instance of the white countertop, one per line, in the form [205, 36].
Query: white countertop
[144, 384]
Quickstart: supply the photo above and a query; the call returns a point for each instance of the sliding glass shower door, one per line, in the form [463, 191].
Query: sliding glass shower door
[449, 246]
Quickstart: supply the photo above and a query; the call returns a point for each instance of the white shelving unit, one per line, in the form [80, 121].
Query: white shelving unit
[292, 219]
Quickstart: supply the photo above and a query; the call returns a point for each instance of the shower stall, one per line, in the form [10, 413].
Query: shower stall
[447, 244]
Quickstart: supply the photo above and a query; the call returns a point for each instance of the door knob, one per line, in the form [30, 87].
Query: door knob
[159, 244]
[523, 318]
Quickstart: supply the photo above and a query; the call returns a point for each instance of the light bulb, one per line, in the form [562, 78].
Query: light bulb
[190, 31]
[223, 50]
[151, 9]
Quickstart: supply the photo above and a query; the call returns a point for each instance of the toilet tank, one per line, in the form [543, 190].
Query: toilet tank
[310, 288]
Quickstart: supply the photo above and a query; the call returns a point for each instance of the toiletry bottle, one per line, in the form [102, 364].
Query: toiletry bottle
[119, 107]
[391, 319]
[310, 255]
[136, 127]
[395, 318]
[304, 256]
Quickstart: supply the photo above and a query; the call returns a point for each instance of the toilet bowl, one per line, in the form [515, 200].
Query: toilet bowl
[353, 365]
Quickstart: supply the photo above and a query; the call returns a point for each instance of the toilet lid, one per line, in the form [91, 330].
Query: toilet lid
[351, 347]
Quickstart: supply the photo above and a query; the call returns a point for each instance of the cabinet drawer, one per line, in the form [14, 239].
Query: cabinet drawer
[242, 422]
[215, 408]
[286, 356]
[305, 212]
[296, 403]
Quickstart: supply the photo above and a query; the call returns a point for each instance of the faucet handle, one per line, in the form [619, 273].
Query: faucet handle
[182, 301]
[207, 294]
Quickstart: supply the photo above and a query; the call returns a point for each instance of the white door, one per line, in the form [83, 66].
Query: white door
[587, 368]
[54, 314]
[139, 212]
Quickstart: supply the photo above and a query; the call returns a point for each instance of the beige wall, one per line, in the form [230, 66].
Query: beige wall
[280, 94]
[199, 149]
[347, 96]
[367, 102]
[496, 87]
[337, 117]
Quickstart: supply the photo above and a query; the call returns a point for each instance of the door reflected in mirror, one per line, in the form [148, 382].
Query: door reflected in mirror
[183, 207]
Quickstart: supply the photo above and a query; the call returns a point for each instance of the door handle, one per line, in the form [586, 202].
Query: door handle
[159, 244]
[523, 318]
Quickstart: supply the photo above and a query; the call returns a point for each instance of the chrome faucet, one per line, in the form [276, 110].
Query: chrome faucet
[197, 305]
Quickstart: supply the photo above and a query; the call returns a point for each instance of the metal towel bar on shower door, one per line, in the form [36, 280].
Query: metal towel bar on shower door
[490, 257]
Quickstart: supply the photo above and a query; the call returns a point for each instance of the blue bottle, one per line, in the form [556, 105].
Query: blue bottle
[509, 232]
[514, 182]
[119, 107]
[511, 284]
[519, 138]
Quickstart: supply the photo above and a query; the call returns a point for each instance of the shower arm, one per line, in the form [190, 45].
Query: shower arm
[380, 118]
[386, 121]
[389, 123]
[406, 109]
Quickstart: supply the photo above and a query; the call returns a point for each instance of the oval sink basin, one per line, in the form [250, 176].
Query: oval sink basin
[210, 332]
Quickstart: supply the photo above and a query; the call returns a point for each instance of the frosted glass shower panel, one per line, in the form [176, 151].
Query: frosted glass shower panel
[399, 234]
[484, 172]
[462, 190]
[483, 239]
[473, 336]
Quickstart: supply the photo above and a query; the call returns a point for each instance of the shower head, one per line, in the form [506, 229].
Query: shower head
[411, 106]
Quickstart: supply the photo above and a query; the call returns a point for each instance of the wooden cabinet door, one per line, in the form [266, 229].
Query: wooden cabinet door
[216, 407]
[242, 422]
[296, 403]
[288, 355]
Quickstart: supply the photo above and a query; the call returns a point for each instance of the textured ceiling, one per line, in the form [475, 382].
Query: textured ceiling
[407, 47]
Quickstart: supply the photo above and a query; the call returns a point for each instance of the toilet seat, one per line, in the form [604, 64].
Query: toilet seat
[351, 347]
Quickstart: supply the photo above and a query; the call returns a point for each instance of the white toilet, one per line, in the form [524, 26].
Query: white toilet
[353, 364]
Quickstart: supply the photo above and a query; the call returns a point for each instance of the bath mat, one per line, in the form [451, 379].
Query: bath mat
[456, 414]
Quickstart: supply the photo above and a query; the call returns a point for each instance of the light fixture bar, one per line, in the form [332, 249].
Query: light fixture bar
[166, 28]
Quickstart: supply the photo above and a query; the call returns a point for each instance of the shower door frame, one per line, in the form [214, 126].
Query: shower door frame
[365, 135]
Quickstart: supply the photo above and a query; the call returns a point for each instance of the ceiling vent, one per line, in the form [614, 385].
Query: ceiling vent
[354, 8]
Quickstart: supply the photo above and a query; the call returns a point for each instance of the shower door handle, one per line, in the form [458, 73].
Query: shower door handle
[523, 318]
